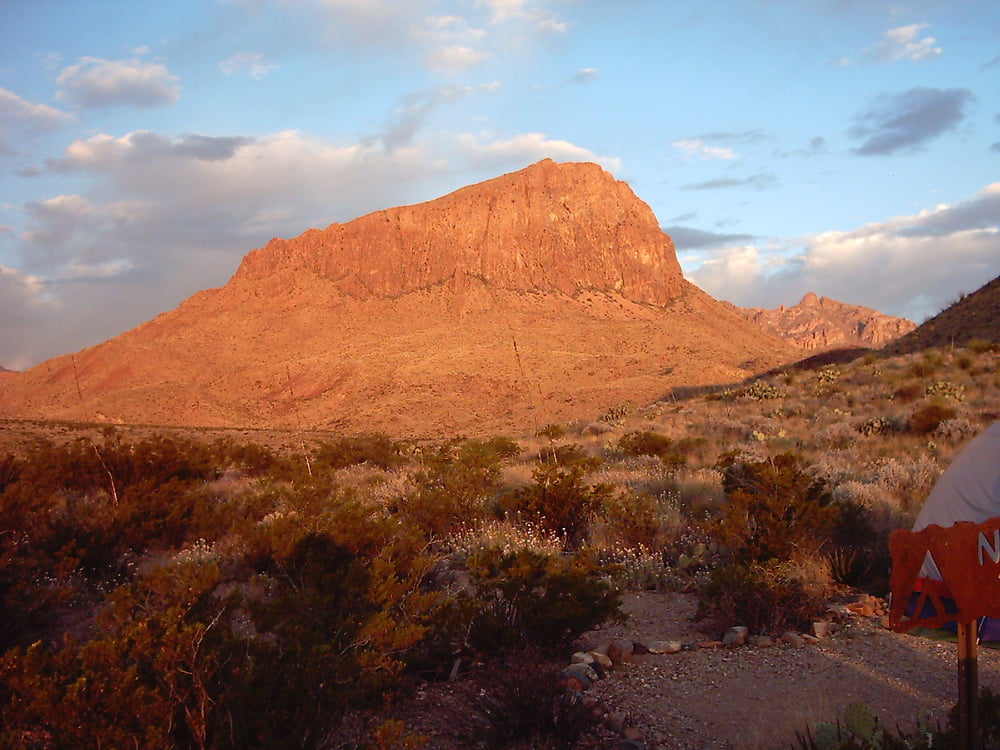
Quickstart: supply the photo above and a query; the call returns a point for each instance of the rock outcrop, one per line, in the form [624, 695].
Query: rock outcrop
[548, 228]
[819, 323]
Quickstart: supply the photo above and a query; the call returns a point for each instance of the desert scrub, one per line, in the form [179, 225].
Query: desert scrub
[774, 509]
[537, 599]
[765, 597]
[762, 390]
[559, 500]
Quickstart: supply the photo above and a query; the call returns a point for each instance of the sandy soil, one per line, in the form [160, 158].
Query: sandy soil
[753, 698]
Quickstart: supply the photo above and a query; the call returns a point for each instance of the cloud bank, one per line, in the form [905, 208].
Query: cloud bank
[877, 265]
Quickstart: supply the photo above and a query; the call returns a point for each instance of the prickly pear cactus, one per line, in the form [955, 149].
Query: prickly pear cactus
[863, 724]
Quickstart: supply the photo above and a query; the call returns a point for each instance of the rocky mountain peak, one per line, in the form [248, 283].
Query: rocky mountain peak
[551, 227]
[819, 323]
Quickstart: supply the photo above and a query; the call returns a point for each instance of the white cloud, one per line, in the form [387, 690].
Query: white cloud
[15, 109]
[585, 75]
[910, 266]
[94, 83]
[251, 63]
[527, 148]
[524, 11]
[902, 43]
[697, 148]
[454, 59]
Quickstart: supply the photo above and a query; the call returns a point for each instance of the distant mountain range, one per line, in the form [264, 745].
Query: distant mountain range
[818, 323]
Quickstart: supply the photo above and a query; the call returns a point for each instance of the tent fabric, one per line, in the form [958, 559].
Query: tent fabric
[968, 490]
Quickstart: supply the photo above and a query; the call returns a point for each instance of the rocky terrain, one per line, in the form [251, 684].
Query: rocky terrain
[819, 323]
[545, 295]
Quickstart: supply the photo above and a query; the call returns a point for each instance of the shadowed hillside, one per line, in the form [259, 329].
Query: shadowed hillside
[974, 317]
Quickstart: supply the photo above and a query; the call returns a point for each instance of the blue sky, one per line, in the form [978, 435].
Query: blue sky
[845, 147]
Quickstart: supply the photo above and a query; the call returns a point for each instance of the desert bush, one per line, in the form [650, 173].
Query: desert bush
[761, 390]
[558, 500]
[520, 702]
[377, 449]
[545, 600]
[647, 443]
[956, 430]
[927, 418]
[766, 597]
[774, 509]
[908, 392]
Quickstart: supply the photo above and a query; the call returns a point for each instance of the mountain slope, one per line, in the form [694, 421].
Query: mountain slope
[545, 295]
[974, 317]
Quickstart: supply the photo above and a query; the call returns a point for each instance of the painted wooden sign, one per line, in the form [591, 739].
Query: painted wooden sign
[967, 555]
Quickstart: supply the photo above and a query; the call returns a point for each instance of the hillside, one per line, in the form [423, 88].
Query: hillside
[548, 294]
[821, 323]
[973, 317]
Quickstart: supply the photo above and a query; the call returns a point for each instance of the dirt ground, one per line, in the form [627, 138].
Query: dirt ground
[751, 698]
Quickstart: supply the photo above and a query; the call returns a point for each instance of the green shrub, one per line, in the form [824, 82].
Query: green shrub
[559, 500]
[545, 601]
[775, 510]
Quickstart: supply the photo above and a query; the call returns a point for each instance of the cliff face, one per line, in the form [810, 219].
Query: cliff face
[547, 228]
[818, 323]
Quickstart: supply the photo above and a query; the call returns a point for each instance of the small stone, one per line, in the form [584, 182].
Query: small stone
[810, 639]
[760, 641]
[792, 639]
[574, 683]
[665, 647]
[631, 733]
[736, 635]
[821, 628]
[639, 648]
[710, 644]
[584, 670]
[581, 657]
[603, 659]
[620, 652]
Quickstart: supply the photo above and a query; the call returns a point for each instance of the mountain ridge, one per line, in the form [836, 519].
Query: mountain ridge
[821, 323]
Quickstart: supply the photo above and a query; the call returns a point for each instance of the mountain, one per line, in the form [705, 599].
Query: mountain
[544, 295]
[821, 323]
[973, 317]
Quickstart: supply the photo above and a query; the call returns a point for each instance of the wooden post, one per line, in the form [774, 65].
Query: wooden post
[968, 686]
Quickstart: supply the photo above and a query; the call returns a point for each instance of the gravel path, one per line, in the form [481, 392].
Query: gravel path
[751, 698]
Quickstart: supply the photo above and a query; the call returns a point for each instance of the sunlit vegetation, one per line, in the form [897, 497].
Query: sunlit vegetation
[175, 591]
